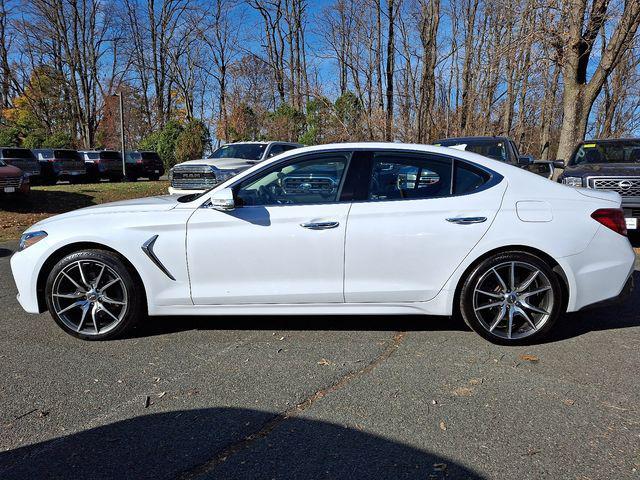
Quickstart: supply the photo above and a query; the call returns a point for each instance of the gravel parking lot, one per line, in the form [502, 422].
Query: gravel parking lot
[322, 397]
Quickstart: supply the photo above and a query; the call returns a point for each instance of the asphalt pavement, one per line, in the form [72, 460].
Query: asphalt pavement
[318, 397]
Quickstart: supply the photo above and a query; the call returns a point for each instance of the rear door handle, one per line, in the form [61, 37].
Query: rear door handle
[320, 225]
[467, 220]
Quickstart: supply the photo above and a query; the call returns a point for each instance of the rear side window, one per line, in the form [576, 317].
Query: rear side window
[110, 155]
[468, 178]
[66, 154]
[405, 177]
[414, 176]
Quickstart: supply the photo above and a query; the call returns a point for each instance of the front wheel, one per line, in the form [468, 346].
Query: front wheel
[92, 295]
[511, 298]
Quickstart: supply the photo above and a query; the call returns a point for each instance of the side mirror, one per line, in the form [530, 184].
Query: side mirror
[223, 200]
[525, 160]
[558, 164]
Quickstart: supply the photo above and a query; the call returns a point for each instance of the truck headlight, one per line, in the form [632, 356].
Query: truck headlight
[31, 238]
[572, 181]
[222, 176]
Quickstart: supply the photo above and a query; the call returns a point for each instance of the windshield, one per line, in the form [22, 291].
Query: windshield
[17, 153]
[495, 149]
[70, 154]
[245, 151]
[625, 151]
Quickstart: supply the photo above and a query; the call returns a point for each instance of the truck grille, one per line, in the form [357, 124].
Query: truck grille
[302, 185]
[10, 182]
[30, 167]
[625, 186]
[193, 177]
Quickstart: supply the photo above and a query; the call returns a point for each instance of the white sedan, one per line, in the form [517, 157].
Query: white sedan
[363, 228]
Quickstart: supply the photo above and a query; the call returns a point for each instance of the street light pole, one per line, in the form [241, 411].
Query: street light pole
[122, 143]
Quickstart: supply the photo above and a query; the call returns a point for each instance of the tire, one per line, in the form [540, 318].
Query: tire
[92, 310]
[154, 178]
[488, 297]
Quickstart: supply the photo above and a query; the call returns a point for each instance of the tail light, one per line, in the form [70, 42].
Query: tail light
[612, 218]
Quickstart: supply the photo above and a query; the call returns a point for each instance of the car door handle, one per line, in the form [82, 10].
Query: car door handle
[467, 220]
[319, 225]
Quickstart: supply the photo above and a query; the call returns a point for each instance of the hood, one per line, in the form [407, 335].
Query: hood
[223, 163]
[613, 169]
[10, 171]
[148, 204]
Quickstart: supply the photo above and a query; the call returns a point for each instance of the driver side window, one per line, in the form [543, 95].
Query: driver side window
[308, 180]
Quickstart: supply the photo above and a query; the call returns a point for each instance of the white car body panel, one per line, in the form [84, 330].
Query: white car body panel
[416, 236]
[263, 255]
[227, 265]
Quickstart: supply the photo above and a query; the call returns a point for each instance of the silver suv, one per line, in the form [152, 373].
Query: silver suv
[227, 161]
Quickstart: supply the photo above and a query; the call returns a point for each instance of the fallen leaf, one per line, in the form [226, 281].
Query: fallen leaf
[162, 394]
[529, 358]
[568, 402]
[147, 401]
[476, 381]
[324, 361]
[439, 467]
[443, 426]
[463, 392]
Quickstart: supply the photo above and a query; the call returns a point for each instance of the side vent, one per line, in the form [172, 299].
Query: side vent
[147, 248]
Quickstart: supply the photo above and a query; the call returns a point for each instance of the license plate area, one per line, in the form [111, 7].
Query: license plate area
[9, 189]
[632, 223]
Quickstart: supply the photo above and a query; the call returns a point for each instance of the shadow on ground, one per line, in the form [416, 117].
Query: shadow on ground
[616, 316]
[192, 444]
[46, 201]
[5, 252]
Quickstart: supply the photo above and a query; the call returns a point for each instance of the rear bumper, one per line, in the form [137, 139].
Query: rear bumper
[601, 272]
[621, 298]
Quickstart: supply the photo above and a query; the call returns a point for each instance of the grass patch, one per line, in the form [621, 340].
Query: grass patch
[17, 212]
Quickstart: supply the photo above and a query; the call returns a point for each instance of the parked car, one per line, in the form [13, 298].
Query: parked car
[195, 176]
[21, 158]
[59, 164]
[503, 149]
[337, 229]
[13, 180]
[609, 165]
[102, 164]
[144, 164]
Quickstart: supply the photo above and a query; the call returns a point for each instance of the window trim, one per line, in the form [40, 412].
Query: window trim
[494, 177]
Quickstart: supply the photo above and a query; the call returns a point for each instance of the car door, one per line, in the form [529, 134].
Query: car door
[423, 214]
[283, 243]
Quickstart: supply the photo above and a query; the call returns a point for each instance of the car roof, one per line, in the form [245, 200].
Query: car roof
[462, 139]
[611, 140]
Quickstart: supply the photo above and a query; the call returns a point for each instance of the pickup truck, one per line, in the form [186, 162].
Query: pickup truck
[610, 165]
[59, 164]
[502, 149]
[225, 162]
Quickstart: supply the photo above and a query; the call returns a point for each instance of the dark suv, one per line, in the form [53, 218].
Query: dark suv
[22, 158]
[609, 164]
[144, 164]
[59, 164]
[502, 149]
[102, 164]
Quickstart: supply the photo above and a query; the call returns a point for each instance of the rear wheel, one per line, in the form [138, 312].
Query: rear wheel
[511, 298]
[154, 178]
[92, 295]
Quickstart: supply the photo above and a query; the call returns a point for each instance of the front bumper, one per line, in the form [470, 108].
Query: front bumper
[25, 267]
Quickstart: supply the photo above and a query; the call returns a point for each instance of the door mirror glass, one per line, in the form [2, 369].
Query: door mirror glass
[558, 163]
[223, 200]
[525, 160]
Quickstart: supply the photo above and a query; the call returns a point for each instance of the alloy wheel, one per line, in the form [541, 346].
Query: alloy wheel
[89, 297]
[513, 300]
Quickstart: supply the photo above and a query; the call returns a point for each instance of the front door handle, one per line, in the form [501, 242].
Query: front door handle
[467, 220]
[319, 225]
